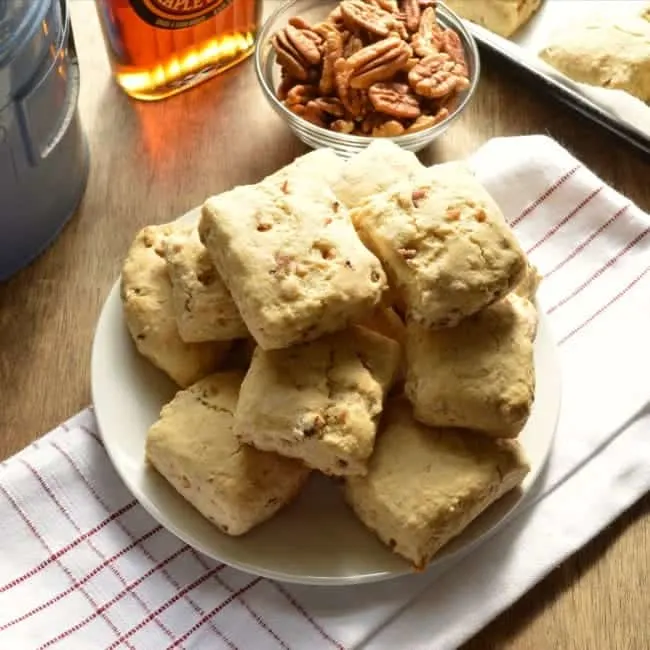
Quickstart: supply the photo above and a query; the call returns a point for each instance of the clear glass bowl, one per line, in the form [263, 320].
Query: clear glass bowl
[268, 75]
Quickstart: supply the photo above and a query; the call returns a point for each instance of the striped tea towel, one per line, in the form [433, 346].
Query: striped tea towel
[83, 566]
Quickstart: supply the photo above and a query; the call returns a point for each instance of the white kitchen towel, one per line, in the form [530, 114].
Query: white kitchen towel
[82, 565]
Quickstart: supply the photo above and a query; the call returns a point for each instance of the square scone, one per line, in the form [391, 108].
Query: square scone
[291, 260]
[425, 486]
[478, 375]
[374, 170]
[321, 166]
[146, 293]
[502, 17]
[320, 401]
[194, 447]
[444, 243]
[204, 308]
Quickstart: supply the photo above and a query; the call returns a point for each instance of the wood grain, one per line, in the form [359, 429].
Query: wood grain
[152, 162]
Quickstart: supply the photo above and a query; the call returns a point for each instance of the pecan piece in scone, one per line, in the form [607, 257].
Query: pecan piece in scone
[395, 99]
[378, 62]
[437, 75]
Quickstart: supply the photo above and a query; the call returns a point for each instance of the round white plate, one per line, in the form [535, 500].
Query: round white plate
[296, 545]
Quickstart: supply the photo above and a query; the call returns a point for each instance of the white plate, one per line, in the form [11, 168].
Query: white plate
[296, 545]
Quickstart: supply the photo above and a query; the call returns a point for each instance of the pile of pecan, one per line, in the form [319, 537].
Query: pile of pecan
[372, 67]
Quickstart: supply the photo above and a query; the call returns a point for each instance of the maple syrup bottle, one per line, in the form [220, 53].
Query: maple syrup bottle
[158, 48]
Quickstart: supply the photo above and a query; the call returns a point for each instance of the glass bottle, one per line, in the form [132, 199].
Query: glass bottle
[158, 48]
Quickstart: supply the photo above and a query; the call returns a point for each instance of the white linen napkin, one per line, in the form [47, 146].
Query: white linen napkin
[82, 565]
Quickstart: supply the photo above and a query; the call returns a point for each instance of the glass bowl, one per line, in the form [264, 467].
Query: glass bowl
[268, 75]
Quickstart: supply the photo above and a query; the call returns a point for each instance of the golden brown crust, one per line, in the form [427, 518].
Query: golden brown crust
[425, 486]
[193, 446]
[146, 293]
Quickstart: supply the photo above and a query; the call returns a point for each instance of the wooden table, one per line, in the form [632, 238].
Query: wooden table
[152, 162]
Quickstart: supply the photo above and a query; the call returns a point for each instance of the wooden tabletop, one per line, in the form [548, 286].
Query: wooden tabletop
[152, 162]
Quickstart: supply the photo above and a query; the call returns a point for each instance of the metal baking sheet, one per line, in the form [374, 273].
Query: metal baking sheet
[615, 110]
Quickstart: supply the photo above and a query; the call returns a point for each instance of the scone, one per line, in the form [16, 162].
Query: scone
[291, 260]
[502, 17]
[478, 375]
[193, 446]
[529, 284]
[146, 292]
[321, 165]
[444, 243]
[385, 321]
[425, 486]
[373, 170]
[319, 402]
[612, 53]
[204, 309]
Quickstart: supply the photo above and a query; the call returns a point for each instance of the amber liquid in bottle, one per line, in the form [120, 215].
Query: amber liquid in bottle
[158, 48]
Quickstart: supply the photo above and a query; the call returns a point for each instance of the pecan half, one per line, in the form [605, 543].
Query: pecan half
[342, 126]
[387, 5]
[380, 125]
[352, 45]
[412, 13]
[355, 100]
[430, 36]
[427, 121]
[395, 99]
[301, 94]
[358, 14]
[452, 45]
[389, 129]
[378, 62]
[295, 52]
[328, 106]
[437, 75]
[332, 52]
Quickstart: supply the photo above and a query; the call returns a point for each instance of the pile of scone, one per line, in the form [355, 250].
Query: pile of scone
[387, 308]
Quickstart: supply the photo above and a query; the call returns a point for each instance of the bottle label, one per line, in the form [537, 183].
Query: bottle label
[177, 14]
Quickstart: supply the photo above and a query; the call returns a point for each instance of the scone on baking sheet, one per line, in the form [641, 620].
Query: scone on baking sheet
[444, 243]
[204, 309]
[146, 293]
[608, 52]
[478, 375]
[320, 401]
[374, 170]
[291, 260]
[425, 486]
[194, 447]
[503, 17]
[321, 165]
